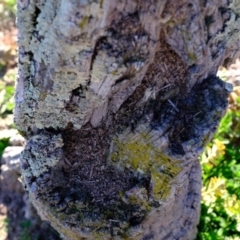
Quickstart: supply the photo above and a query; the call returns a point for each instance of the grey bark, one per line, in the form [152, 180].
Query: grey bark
[117, 99]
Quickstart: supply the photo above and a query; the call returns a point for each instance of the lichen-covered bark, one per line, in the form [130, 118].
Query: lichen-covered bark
[117, 100]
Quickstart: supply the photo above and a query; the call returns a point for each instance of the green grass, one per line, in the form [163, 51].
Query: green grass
[6, 107]
[3, 145]
[220, 208]
[26, 226]
[6, 100]
[9, 6]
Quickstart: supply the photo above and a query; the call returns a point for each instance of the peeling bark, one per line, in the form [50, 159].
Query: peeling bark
[117, 99]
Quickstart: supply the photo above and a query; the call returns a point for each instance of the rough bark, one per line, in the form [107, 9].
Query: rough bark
[117, 99]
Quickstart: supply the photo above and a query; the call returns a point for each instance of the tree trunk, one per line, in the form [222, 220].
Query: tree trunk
[117, 99]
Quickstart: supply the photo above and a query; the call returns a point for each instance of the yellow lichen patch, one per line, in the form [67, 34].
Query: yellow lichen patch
[135, 200]
[101, 3]
[192, 56]
[144, 158]
[42, 96]
[83, 22]
[161, 184]
[114, 72]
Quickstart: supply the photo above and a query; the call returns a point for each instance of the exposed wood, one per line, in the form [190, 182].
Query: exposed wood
[117, 100]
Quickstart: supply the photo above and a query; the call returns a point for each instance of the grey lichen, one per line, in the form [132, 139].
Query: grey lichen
[203, 41]
[41, 154]
[56, 57]
[40, 92]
